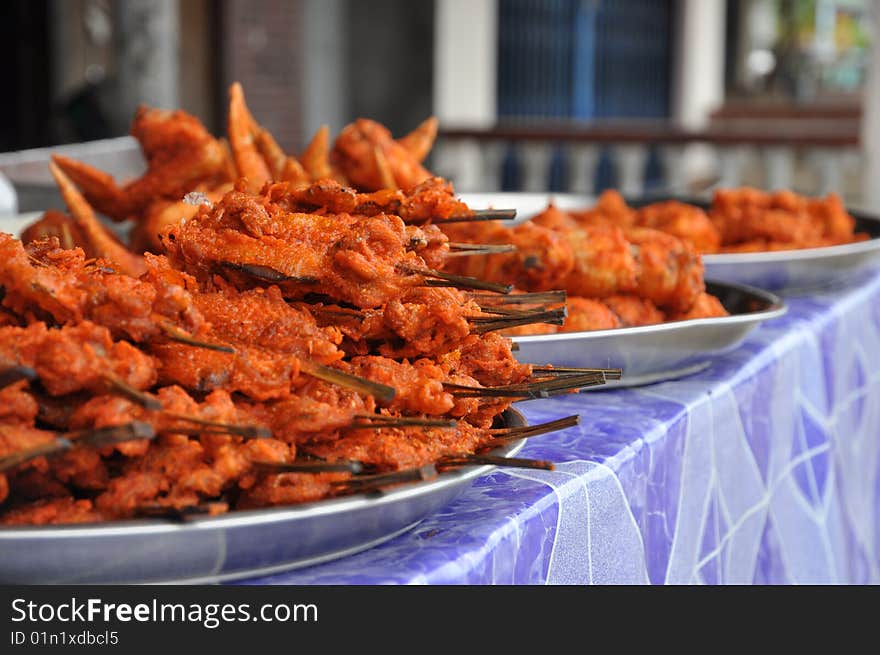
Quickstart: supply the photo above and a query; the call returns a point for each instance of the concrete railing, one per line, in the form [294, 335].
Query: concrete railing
[473, 158]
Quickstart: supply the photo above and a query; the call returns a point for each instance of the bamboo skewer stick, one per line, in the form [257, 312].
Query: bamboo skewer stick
[454, 461]
[124, 389]
[176, 334]
[49, 449]
[14, 373]
[479, 215]
[307, 466]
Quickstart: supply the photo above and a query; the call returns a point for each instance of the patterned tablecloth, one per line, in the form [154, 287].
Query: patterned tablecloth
[761, 469]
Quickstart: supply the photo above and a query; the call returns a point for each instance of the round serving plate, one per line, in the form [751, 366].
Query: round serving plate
[655, 353]
[234, 545]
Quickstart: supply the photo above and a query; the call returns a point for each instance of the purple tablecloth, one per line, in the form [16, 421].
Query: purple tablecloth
[762, 468]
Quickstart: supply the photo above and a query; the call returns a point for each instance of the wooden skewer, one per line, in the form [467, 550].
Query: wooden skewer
[344, 312]
[355, 383]
[377, 421]
[468, 249]
[363, 483]
[126, 390]
[99, 437]
[511, 434]
[504, 310]
[551, 316]
[535, 298]
[49, 449]
[479, 215]
[459, 281]
[266, 273]
[501, 310]
[494, 460]
[176, 334]
[558, 371]
[14, 373]
[216, 427]
[539, 389]
[307, 466]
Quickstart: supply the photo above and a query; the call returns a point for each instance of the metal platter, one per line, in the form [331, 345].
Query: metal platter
[653, 353]
[235, 545]
[792, 271]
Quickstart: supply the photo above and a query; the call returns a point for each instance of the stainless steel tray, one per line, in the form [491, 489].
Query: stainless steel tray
[653, 353]
[791, 271]
[234, 545]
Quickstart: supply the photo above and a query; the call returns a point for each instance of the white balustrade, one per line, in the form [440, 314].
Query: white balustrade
[492, 167]
[778, 167]
[674, 173]
[477, 165]
[536, 157]
[630, 160]
[730, 162]
[828, 164]
[461, 161]
[583, 160]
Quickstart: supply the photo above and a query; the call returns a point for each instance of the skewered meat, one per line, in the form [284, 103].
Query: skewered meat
[431, 200]
[72, 358]
[367, 155]
[366, 261]
[543, 259]
[160, 214]
[261, 318]
[402, 448]
[424, 321]
[65, 287]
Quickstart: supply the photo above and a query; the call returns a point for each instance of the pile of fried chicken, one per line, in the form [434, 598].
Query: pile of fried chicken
[277, 337]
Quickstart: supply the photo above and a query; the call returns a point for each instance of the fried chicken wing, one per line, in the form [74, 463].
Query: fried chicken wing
[366, 154]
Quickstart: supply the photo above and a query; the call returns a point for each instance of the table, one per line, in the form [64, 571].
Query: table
[761, 469]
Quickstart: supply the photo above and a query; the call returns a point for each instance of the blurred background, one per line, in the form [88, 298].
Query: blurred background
[649, 96]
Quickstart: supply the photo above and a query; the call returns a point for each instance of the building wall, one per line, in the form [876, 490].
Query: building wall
[261, 47]
[390, 61]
